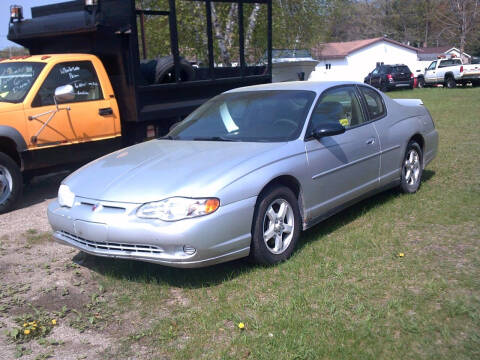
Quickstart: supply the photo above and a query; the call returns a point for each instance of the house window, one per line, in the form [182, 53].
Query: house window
[328, 66]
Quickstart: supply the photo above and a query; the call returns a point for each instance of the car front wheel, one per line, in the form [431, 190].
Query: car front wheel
[276, 226]
[412, 168]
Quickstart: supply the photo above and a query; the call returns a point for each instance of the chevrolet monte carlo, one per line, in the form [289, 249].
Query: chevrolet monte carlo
[244, 174]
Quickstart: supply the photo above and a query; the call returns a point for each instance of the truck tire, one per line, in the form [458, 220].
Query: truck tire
[421, 83]
[165, 70]
[450, 82]
[11, 183]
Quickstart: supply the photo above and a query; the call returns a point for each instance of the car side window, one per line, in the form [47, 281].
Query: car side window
[338, 105]
[80, 74]
[432, 66]
[375, 72]
[374, 101]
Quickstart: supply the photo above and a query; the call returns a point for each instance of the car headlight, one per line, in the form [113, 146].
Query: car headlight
[65, 196]
[177, 208]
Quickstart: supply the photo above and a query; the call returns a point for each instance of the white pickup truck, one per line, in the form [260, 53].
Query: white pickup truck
[449, 73]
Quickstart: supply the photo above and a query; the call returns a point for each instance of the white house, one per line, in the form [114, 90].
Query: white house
[353, 60]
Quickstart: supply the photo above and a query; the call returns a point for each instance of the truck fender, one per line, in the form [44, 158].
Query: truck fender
[15, 136]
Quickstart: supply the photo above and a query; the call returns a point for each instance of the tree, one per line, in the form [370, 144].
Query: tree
[459, 19]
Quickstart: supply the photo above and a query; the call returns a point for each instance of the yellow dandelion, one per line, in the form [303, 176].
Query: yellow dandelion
[241, 326]
[54, 322]
[25, 325]
[401, 254]
[31, 323]
[26, 332]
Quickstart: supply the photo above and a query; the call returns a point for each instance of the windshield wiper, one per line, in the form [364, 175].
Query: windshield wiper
[213, 138]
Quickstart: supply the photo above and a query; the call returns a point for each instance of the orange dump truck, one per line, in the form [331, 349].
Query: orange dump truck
[85, 91]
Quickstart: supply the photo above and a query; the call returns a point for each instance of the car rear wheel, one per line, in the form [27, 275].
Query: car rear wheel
[276, 226]
[412, 168]
[10, 183]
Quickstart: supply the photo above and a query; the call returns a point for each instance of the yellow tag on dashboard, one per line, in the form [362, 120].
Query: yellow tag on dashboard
[343, 122]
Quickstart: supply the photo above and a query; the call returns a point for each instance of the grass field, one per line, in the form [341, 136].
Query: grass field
[345, 293]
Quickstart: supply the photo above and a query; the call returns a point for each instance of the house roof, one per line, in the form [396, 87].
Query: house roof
[434, 50]
[338, 50]
[431, 53]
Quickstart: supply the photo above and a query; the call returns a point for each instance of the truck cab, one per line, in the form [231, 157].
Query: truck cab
[42, 127]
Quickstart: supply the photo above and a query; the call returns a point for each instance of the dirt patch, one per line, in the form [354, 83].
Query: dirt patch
[38, 274]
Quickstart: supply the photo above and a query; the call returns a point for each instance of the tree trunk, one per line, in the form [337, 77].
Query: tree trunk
[252, 20]
[224, 53]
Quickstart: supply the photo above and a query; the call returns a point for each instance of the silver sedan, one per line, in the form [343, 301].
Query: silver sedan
[244, 174]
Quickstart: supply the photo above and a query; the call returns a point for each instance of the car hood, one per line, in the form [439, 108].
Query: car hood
[158, 169]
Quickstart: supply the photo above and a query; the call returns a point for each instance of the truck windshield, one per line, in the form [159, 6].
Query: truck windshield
[16, 79]
[257, 116]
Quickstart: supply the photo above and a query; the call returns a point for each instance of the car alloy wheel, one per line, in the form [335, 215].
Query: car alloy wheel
[278, 224]
[412, 168]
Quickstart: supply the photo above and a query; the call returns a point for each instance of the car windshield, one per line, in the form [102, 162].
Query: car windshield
[257, 116]
[16, 79]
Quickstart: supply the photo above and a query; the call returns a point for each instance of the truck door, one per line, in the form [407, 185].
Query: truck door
[88, 116]
[430, 73]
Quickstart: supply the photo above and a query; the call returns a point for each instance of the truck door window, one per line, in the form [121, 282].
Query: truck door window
[80, 74]
[432, 66]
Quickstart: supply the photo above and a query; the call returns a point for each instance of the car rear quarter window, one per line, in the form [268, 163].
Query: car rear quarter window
[374, 102]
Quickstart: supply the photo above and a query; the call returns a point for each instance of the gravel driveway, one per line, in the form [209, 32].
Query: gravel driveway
[38, 274]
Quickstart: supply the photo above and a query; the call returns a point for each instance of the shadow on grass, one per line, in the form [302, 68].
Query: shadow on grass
[138, 271]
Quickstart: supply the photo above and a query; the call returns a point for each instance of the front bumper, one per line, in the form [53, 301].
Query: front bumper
[113, 230]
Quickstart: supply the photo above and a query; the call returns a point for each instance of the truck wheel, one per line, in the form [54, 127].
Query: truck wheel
[450, 83]
[10, 183]
[165, 70]
[421, 83]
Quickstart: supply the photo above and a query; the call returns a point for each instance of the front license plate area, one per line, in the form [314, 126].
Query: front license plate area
[90, 230]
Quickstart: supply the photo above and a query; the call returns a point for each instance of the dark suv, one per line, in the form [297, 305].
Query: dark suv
[387, 77]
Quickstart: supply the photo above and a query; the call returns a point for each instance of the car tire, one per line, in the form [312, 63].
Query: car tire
[383, 87]
[412, 168]
[421, 83]
[276, 226]
[450, 82]
[11, 183]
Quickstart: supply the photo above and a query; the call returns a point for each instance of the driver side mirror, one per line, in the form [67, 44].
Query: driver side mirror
[64, 94]
[328, 129]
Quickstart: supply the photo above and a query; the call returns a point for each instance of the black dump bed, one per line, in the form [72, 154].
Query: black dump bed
[108, 30]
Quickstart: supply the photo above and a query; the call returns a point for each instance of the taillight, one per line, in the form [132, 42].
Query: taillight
[461, 68]
[389, 76]
[411, 75]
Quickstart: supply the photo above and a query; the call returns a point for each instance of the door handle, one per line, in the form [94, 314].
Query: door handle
[370, 141]
[105, 111]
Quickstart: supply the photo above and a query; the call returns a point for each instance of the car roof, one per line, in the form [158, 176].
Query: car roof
[316, 86]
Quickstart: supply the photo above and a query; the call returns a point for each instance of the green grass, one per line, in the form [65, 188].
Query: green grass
[345, 293]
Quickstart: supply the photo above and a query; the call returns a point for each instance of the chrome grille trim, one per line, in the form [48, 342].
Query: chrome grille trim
[99, 245]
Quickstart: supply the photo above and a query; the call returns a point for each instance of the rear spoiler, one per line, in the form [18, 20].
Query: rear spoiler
[409, 102]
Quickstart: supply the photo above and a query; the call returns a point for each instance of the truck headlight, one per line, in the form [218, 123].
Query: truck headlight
[177, 208]
[65, 196]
